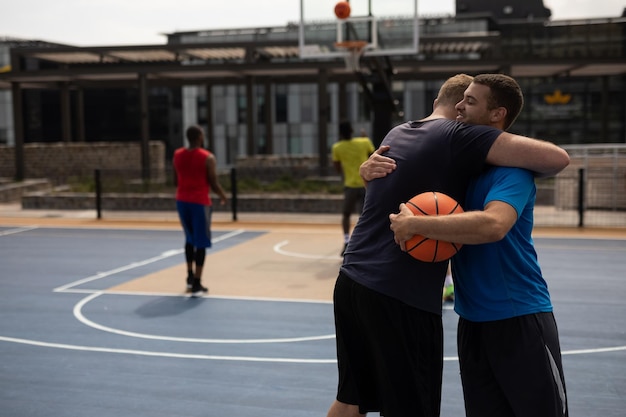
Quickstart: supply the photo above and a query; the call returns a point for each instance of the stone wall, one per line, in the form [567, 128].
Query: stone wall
[270, 168]
[60, 160]
[11, 191]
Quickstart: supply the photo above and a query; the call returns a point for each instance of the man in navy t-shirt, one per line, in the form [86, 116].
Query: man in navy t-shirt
[509, 351]
[387, 304]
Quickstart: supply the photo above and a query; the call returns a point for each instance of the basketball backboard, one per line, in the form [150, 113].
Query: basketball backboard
[390, 27]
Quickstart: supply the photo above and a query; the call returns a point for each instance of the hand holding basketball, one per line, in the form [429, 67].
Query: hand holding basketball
[400, 226]
[420, 247]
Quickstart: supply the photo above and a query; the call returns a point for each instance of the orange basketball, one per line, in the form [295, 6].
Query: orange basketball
[342, 10]
[432, 203]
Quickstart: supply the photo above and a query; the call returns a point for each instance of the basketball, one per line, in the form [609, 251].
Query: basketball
[342, 10]
[432, 203]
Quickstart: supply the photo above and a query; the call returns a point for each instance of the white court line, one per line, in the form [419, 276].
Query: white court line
[164, 354]
[597, 350]
[278, 248]
[117, 270]
[80, 317]
[232, 358]
[133, 265]
[18, 230]
[222, 297]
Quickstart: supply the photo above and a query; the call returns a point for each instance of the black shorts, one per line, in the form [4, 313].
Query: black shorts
[512, 367]
[353, 199]
[390, 355]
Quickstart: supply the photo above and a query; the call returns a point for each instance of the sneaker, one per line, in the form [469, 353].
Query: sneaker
[197, 290]
[189, 282]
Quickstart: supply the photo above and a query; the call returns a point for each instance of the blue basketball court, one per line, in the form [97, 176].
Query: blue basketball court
[95, 322]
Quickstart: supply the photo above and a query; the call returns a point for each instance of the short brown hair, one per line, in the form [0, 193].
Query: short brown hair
[504, 92]
[451, 92]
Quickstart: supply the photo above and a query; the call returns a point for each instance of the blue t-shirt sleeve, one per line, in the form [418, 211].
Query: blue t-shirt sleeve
[510, 185]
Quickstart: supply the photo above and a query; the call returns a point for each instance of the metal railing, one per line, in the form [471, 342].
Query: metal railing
[589, 193]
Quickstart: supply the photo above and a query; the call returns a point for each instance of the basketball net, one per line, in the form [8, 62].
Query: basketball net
[355, 50]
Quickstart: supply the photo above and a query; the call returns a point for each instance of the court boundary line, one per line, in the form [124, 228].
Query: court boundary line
[237, 358]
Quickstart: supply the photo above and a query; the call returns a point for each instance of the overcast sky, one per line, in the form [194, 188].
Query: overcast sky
[144, 22]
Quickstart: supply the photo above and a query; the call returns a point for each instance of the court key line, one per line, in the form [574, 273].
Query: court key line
[278, 248]
[18, 230]
[133, 265]
[80, 317]
[77, 311]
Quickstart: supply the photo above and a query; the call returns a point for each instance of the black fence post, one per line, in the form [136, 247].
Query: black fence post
[98, 193]
[581, 197]
[233, 188]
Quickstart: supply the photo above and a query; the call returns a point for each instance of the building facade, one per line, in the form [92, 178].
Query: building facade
[564, 108]
[254, 95]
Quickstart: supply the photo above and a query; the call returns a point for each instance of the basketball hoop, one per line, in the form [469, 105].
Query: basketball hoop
[355, 50]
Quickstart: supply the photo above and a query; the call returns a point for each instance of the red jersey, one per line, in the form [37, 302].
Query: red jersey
[191, 174]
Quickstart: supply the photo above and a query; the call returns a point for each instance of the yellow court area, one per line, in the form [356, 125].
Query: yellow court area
[296, 264]
[296, 256]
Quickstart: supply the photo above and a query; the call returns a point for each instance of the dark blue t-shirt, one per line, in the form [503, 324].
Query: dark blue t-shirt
[436, 155]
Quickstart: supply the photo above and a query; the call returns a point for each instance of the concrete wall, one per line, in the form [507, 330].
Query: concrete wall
[263, 203]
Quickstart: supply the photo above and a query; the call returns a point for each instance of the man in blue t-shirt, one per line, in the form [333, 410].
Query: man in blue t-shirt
[387, 304]
[509, 351]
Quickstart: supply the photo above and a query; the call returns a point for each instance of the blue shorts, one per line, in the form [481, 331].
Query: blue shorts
[196, 222]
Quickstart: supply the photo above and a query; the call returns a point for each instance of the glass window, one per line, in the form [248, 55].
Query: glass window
[219, 104]
[281, 103]
[308, 102]
[242, 103]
